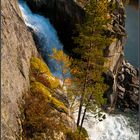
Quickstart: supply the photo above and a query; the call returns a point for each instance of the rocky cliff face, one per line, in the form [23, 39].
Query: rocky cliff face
[128, 88]
[65, 14]
[17, 49]
[124, 91]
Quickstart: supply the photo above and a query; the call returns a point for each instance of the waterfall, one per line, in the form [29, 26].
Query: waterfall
[46, 36]
[113, 127]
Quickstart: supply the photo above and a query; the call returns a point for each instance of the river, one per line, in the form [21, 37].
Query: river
[114, 127]
[131, 47]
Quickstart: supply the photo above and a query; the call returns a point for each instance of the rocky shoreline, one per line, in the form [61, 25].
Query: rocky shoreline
[128, 88]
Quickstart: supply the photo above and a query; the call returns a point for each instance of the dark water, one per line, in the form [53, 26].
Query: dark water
[132, 47]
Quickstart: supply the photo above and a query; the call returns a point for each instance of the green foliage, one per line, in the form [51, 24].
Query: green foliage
[38, 88]
[112, 6]
[39, 66]
[41, 109]
[62, 59]
[92, 41]
[40, 72]
[43, 80]
[88, 70]
[83, 135]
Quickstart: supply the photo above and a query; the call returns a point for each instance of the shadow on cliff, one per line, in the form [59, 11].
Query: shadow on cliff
[64, 15]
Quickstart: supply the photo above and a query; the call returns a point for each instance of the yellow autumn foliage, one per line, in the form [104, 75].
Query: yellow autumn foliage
[39, 88]
[41, 73]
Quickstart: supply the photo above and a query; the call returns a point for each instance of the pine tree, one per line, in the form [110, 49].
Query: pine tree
[90, 66]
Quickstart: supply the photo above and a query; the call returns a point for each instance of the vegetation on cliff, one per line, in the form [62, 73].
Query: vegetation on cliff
[79, 134]
[64, 62]
[39, 88]
[42, 111]
[41, 73]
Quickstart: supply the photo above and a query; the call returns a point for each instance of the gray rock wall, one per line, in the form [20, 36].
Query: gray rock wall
[125, 95]
[128, 88]
[17, 48]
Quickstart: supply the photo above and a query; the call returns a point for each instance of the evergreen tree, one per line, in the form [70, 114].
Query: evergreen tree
[89, 68]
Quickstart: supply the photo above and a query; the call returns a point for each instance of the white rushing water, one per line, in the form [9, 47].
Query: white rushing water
[113, 127]
[46, 36]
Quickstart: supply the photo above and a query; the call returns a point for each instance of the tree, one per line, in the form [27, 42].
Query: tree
[90, 66]
[64, 62]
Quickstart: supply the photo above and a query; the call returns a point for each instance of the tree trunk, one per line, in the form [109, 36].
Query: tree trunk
[83, 93]
[80, 109]
[83, 119]
[85, 110]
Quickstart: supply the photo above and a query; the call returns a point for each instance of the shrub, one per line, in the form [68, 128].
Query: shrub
[83, 135]
[39, 88]
[40, 117]
[41, 111]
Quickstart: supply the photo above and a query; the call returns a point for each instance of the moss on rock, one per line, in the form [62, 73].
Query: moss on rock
[37, 87]
[40, 72]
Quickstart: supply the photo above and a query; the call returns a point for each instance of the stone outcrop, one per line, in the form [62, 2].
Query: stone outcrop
[122, 76]
[46, 109]
[16, 50]
[128, 88]
[115, 52]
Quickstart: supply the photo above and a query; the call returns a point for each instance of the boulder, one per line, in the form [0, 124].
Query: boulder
[128, 95]
[122, 89]
[121, 77]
